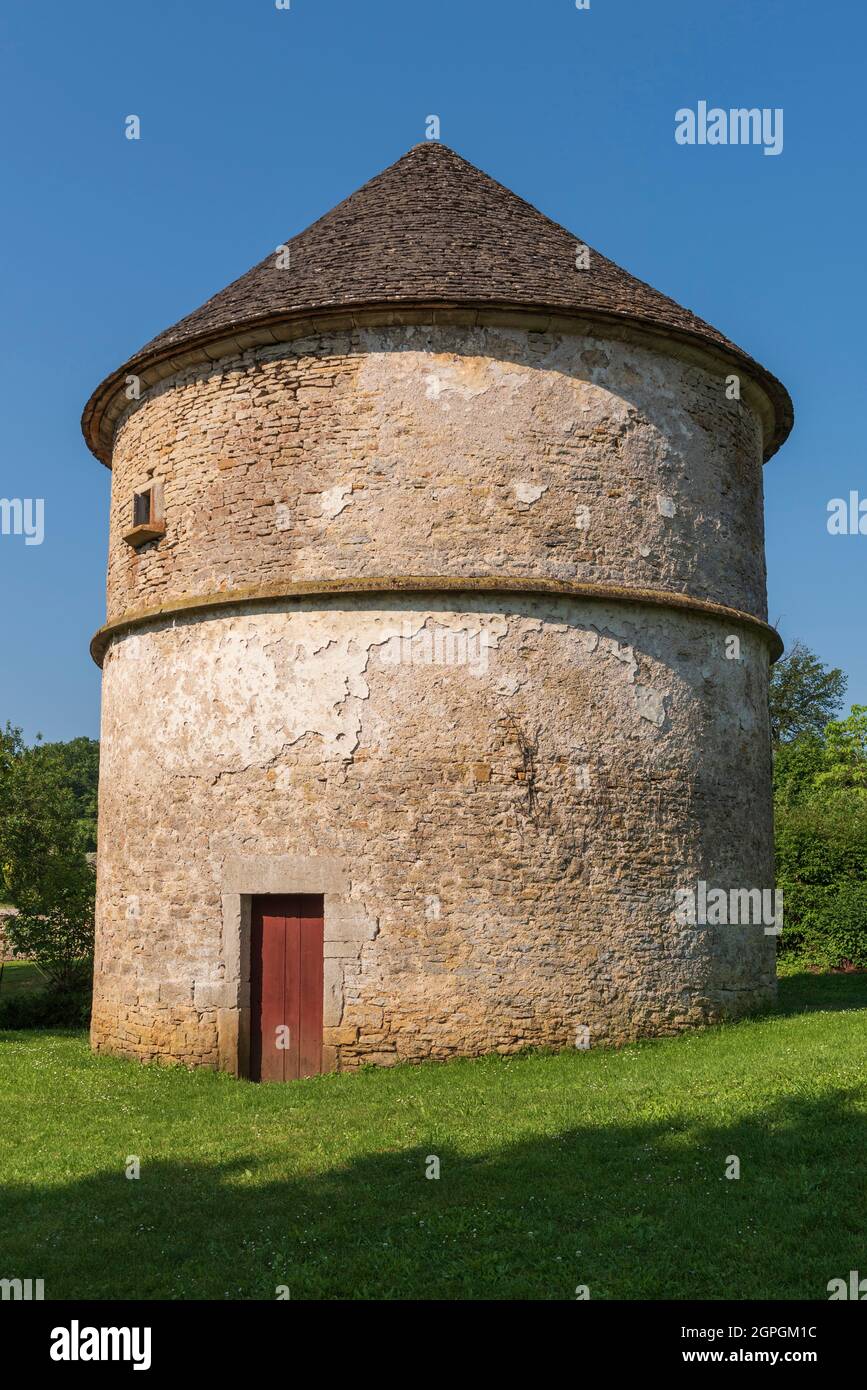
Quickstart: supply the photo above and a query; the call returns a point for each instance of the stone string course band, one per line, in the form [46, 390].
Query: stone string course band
[425, 584]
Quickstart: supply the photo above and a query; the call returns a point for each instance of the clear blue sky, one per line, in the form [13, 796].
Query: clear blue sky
[256, 121]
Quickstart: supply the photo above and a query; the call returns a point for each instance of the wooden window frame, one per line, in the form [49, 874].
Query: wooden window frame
[151, 530]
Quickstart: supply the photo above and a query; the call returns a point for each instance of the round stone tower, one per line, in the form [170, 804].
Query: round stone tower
[436, 655]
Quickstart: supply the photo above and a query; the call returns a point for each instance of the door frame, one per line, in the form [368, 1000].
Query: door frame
[348, 925]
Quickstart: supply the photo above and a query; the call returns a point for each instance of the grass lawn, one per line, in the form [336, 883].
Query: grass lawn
[20, 975]
[602, 1168]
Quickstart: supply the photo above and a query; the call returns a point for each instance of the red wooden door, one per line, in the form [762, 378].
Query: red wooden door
[286, 974]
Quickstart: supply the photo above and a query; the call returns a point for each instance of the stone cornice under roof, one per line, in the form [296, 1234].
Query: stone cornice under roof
[431, 230]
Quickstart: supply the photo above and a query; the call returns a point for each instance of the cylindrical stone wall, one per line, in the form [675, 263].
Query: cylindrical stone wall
[413, 450]
[498, 793]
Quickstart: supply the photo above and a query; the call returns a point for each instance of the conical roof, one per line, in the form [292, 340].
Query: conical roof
[431, 229]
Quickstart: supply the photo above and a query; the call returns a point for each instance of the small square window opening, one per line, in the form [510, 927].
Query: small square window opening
[142, 507]
[148, 520]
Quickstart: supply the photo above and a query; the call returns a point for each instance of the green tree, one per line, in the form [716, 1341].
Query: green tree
[820, 795]
[77, 763]
[845, 755]
[46, 872]
[804, 694]
[797, 764]
[821, 849]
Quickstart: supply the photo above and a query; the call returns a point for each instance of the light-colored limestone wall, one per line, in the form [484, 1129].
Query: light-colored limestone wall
[444, 451]
[497, 799]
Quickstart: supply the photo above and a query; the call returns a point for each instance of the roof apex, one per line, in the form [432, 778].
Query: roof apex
[431, 229]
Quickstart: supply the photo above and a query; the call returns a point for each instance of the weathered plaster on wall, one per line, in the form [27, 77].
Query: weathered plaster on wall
[475, 899]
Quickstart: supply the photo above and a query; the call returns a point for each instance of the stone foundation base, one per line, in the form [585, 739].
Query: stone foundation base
[214, 1037]
[188, 1037]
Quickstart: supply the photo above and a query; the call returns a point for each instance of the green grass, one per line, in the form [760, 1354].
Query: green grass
[603, 1168]
[20, 976]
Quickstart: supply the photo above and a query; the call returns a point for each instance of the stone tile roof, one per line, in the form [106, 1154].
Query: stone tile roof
[432, 228]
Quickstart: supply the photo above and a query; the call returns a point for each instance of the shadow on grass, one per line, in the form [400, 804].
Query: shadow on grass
[633, 1211]
[806, 993]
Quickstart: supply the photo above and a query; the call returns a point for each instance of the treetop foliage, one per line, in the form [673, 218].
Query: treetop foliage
[804, 694]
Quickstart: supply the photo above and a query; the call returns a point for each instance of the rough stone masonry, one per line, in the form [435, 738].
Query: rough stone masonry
[452, 610]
